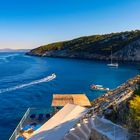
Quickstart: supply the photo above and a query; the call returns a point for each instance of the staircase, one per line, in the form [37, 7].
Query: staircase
[80, 132]
[101, 129]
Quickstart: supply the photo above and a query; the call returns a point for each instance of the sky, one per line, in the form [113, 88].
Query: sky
[30, 23]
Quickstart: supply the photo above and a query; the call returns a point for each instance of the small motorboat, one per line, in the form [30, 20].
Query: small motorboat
[53, 75]
[98, 87]
[113, 65]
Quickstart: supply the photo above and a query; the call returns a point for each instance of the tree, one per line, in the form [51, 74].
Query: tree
[135, 107]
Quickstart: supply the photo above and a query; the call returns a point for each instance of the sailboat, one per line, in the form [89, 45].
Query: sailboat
[112, 64]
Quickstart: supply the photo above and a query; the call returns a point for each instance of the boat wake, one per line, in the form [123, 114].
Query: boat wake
[43, 80]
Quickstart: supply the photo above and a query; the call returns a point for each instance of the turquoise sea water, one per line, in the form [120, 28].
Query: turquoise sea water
[22, 83]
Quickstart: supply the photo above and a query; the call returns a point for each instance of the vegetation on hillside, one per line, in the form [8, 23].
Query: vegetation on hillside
[135, 108]
[128, 114]
[134, 111]
[137, 92]
[100, 44]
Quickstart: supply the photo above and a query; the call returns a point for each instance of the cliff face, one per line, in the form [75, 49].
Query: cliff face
[125, 47]
[130, 52]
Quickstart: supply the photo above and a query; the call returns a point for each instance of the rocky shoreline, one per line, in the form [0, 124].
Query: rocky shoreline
[86, 56]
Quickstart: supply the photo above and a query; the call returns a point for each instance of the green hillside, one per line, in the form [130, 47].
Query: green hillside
[100, 44]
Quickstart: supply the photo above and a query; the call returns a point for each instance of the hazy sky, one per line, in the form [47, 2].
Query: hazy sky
[30, 23]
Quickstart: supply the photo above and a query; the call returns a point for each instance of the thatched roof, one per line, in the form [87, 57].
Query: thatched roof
[77, 99]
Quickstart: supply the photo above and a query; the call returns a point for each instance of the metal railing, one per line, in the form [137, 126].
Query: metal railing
[113, 129]
[26, 117]
[18, 128]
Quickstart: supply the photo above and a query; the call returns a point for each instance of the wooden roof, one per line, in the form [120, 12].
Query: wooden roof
[77, 99]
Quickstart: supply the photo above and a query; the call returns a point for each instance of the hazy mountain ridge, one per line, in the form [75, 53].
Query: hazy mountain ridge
[14, 50]
[125, 46]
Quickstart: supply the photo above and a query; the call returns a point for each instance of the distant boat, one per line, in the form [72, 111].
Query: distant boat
[112, 64]
[98, 87]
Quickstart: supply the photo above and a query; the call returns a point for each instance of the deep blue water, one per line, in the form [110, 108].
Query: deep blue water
[73, 76]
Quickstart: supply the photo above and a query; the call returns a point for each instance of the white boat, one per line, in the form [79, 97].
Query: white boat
[98, 87]
[53, 76]
[112, 64]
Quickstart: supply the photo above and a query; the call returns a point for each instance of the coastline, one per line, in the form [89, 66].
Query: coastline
[99, 58]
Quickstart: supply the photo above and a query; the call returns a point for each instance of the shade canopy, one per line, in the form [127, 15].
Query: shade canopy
[60, 123]
[63, 99]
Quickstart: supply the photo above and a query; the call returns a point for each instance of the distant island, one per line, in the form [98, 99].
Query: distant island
[14, 50]
[125, 47]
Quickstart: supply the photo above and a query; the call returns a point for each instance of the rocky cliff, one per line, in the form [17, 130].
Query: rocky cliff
[124, 45]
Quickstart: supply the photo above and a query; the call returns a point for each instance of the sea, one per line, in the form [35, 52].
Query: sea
[25, 82]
